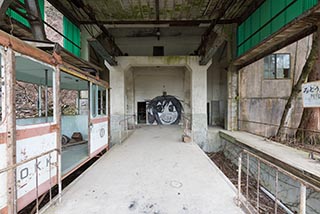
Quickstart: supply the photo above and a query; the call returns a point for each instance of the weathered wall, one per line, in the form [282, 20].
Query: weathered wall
[217, 93]
[197, 91]
[263, 100]
[173, 46]
[145, 83]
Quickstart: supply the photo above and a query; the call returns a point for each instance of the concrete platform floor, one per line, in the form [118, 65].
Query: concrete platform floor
[152, 172]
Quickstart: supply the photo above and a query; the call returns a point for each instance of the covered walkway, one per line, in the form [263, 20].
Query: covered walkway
[151, 172]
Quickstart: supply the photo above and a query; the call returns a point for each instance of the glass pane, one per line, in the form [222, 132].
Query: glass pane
[280, 66]
[94, 100]
[269, 67]
[283, 65]
[83, 103]
[102, 101]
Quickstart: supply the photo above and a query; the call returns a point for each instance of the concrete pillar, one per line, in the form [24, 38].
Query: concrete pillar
[232, 81]
[232, 113]
[199, 103]
[117, 101]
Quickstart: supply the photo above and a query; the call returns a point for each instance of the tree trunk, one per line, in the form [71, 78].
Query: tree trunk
[310, 117]
[307, 70]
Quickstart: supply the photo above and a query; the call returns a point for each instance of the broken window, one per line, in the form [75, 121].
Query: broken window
[277, 66]
[102, 101]
[34, 93]
[74, 95]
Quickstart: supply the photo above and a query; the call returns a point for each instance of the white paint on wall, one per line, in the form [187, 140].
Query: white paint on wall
[26, 173]
[311, 94]
[3, 176]
[151, 82]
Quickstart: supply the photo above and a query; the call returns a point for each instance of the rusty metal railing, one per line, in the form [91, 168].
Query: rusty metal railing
[125, 126]
[287, 134]
[36, 159]
[243, 198]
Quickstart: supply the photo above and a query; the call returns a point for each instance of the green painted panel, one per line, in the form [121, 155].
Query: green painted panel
[20, 18]
[268, 19]
[72, 32]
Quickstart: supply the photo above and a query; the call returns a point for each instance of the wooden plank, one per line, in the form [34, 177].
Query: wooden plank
[10, 114]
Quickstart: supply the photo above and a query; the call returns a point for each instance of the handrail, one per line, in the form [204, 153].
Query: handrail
[124, 126]
[287, 134]
[275, 125]
[244, 199]
[14, 167]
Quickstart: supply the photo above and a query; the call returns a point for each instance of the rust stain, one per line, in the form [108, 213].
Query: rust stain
[18, 45]
[4, 210]
[100, 120]
[3, 138]
[33, 132]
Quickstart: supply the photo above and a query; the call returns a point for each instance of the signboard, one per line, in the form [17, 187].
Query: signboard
[311, 94]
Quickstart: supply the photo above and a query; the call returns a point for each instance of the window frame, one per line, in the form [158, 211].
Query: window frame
[49, 119]
[275, 73]
[95, 100]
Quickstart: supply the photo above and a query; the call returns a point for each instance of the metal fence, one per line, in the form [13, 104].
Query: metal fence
[304, 138]
[125, 126]
[38, 199]
[254, 206]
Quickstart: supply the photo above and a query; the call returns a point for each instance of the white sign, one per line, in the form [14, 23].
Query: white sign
[311, 94]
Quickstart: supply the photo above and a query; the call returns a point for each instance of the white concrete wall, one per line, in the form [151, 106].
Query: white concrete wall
[150, 82]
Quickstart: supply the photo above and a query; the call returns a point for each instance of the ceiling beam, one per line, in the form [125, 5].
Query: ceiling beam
[208, 45]
[65, 11]
[35, 20]
[214, 45]
[101, 51]
[153, 22]
[114, 49]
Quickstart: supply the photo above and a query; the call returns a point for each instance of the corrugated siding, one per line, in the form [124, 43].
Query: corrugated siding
[72, 32]
[267, 19]
[21, 19]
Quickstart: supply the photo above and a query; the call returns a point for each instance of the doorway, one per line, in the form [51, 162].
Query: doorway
[142, 110]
